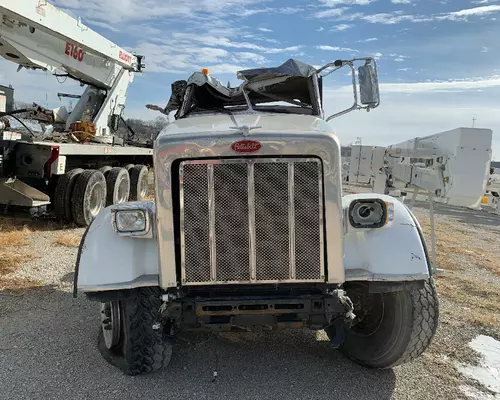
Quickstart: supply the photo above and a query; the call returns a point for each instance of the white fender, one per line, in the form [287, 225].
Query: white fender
[108, 260]
[394, 252]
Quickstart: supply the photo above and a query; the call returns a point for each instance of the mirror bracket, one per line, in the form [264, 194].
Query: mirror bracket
[368, 95]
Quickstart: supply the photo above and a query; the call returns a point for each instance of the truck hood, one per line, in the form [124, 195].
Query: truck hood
[218, 123]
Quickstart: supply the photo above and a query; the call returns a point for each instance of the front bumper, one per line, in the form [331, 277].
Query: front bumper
[253, 312]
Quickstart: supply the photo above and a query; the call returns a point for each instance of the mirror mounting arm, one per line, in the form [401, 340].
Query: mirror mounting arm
[370, 79]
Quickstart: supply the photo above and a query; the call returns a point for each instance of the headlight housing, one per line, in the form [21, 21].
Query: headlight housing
[131, 221]
[370, 213]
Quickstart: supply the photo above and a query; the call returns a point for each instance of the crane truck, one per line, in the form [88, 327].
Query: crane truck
[77, 165]
[251, 230]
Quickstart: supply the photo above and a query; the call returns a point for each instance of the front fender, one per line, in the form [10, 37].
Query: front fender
[108, 261]
[394, 252]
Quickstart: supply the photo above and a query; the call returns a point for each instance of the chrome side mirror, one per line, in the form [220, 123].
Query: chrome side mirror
[368, 96]
[368, 85]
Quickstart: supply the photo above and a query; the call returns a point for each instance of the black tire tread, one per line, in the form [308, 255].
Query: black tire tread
[135, 174]
[425, 321]
[62, 195]
[105, 170]
[111, 178]
[78, 194]
[146, 349]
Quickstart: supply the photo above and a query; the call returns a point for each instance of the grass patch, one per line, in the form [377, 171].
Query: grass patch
[13, 235]
[478, 300]
[68, 240]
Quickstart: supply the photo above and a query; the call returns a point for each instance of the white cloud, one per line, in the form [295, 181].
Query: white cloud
[342, 27]
[401, 116]
[399, 59]
[484, 49]
[265, 29]
[400, 1]
[373, 39]
[333, 3]
[403, 69]
[336, 48]
[463, 15]
[438, 86]
[378, 55]
[397, 17]
[185, 39]
[334, 12]
[320, 29]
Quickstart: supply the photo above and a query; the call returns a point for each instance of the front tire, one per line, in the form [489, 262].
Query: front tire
[136, 348]
[397, 329]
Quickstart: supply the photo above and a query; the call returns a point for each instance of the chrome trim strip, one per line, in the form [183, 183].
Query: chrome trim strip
[251, 221]
[322, 219]
[181, 222]
[211, 221]
[257, 282]
[254, 160]
[291, 217]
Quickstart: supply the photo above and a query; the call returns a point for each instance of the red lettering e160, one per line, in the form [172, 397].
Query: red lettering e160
[74, 51]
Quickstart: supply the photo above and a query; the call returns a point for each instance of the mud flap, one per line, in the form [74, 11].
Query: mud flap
[336, 332]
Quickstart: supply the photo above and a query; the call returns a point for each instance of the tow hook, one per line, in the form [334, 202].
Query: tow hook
[338, 324]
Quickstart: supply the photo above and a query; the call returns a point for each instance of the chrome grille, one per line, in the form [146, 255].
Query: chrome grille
[251, 221]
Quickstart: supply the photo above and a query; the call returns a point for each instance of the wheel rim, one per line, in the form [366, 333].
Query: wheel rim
[95, 201]
[370, 314]
[122, 191]
[111, 323]
[144, 186]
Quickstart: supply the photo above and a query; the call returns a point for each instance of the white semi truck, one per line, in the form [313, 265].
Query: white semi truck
[250, 229]
[77, 166]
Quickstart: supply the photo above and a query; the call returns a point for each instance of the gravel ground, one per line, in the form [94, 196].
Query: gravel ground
[48, 347]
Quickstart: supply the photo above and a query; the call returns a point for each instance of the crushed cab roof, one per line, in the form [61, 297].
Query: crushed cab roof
[289, 81]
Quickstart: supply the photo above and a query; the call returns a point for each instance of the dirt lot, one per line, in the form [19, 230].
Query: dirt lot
[48, 339]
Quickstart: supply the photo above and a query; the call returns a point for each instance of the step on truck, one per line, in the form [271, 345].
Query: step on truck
[75, 165]
[250, 230]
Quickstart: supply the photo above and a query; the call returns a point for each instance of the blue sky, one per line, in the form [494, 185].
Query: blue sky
[439, 61]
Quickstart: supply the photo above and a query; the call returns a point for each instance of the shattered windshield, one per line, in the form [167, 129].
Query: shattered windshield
[292, 87]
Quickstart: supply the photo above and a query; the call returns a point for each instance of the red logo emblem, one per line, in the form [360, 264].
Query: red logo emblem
[246, 146]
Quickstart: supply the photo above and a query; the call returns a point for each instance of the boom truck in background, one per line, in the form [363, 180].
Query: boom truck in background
[251, 230]
[77, 165]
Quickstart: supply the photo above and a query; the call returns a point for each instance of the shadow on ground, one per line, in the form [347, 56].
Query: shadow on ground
[49, 350]
[464, 215]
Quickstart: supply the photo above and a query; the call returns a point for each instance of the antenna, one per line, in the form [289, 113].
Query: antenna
[474, 119]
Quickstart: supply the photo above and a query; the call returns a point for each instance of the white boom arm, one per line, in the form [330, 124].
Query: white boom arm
[453, 166]
[37, 35]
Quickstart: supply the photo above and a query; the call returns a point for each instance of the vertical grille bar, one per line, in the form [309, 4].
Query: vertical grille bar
[291, 217]
[211, 222]
[251, 220]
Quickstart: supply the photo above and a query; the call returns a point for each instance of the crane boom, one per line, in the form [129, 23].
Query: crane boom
[37, 35]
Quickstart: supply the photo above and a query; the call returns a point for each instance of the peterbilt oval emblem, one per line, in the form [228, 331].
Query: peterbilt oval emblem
[246, 146]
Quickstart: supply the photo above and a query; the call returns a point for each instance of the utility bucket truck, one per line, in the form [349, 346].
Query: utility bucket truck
[250, 230]
[75, 164]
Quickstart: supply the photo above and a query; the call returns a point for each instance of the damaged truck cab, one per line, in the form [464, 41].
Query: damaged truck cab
[250, 230]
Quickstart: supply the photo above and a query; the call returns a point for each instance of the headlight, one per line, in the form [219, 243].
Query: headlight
[370, 213]
[131, 221]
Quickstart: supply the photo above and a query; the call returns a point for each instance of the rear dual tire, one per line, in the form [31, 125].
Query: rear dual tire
[398, 329]
[88, 197]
